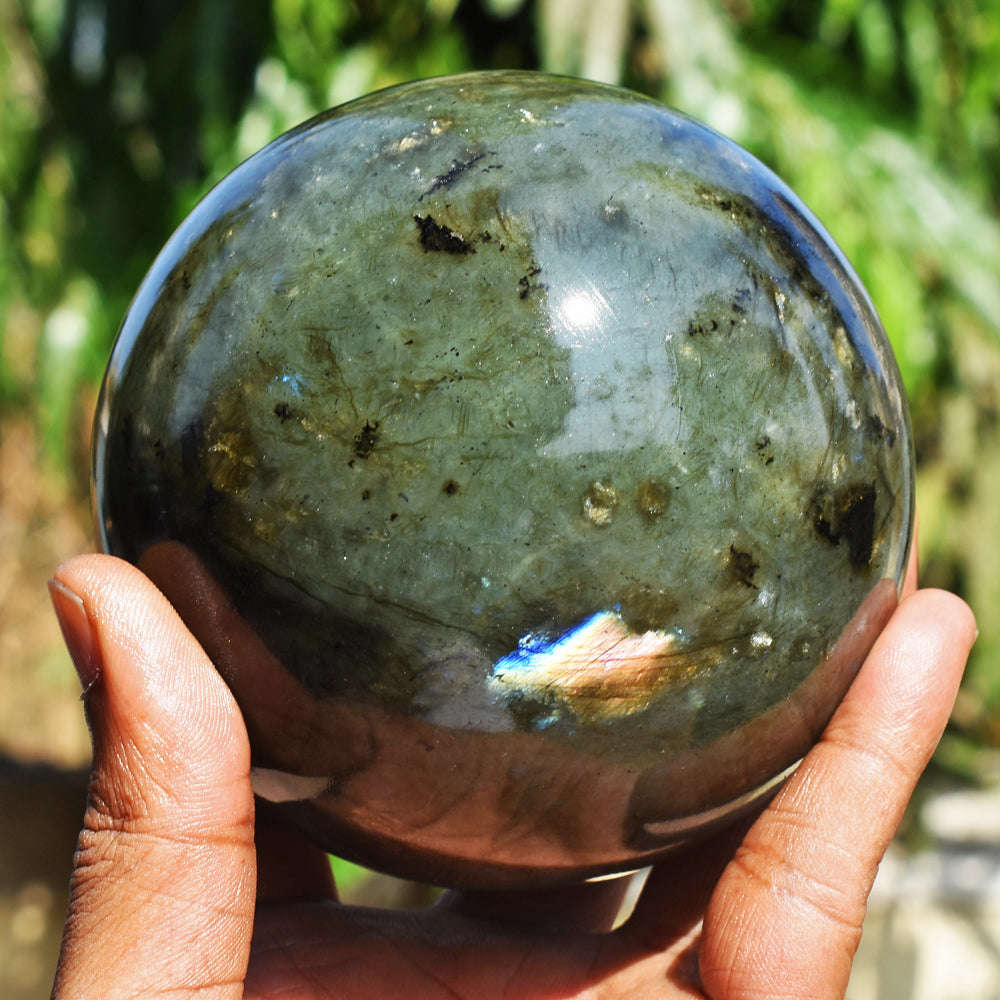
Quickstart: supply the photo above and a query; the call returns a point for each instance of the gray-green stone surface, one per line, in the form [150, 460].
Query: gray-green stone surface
[544, 455]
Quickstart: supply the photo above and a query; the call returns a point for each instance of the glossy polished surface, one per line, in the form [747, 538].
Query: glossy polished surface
[529, 461]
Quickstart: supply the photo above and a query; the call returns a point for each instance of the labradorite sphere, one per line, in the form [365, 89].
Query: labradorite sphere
[529, 461]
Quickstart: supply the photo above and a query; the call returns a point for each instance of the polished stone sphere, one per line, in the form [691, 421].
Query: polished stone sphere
[529, 461]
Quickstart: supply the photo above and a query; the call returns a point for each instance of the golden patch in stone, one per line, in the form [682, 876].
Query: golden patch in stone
[653, 499]
[230, 461]
[599, 502]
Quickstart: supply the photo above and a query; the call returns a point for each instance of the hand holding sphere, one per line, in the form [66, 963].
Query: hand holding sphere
[533, 469]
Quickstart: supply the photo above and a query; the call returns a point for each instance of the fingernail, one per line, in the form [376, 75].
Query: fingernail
[77, 630]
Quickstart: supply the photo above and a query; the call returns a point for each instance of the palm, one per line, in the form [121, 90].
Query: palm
[535, 944]
[317, 950]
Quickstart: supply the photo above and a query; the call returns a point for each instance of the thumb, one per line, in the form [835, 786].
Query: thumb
[162, 892]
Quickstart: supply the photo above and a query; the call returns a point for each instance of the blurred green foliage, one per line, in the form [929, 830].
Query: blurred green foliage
[116, 115]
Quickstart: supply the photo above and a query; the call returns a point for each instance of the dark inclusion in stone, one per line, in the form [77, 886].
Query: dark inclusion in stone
[529, 461]
[437, 237]
[848, 512]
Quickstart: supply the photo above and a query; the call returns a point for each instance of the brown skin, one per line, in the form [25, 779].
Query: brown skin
[178, 892]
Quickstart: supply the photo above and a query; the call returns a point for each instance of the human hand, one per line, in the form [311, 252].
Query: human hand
[176, 890]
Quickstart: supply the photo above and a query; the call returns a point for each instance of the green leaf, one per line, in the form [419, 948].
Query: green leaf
[347, 875]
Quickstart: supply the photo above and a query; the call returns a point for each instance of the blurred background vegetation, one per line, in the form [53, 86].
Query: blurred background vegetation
[117, 115]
